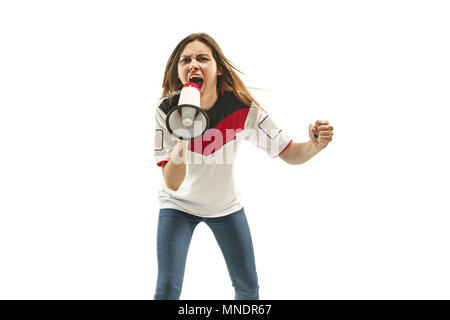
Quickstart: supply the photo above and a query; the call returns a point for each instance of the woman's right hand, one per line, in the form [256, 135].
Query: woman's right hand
[179, 152]
[174, 170]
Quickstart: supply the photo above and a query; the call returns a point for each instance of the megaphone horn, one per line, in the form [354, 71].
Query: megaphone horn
[188, 121]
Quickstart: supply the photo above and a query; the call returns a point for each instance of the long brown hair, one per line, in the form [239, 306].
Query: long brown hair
[228, 80]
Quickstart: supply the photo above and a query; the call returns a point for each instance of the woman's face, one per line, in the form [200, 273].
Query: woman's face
[197, 65]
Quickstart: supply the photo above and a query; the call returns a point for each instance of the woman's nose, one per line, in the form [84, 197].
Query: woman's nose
[193, 65]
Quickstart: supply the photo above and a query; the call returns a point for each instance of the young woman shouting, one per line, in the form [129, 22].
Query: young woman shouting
[198, 184]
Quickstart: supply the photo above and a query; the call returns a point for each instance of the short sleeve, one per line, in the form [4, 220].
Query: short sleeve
[263, 132]
[164, 142]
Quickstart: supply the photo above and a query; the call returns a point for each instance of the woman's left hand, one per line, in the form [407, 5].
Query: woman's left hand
[320, 134]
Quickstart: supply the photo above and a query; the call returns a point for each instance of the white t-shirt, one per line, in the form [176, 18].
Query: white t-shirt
[208, 189]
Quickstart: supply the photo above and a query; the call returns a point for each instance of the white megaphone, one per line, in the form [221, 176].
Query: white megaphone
[188, 121]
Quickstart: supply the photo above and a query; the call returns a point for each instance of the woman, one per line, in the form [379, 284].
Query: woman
[198, 183]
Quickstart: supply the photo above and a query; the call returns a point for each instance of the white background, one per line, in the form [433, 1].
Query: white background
[367, 218]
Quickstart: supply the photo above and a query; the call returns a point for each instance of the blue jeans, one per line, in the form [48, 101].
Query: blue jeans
[175, 229]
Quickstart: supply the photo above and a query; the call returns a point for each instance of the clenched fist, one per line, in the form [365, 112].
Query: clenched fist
[320, 134]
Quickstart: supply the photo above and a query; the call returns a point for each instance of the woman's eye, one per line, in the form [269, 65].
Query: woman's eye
[187, 60]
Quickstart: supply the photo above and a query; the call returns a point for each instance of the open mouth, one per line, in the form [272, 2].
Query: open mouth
[197, 80]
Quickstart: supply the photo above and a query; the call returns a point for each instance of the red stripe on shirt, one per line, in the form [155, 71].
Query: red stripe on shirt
[225, 131]
[159, 164]
[284, 148]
